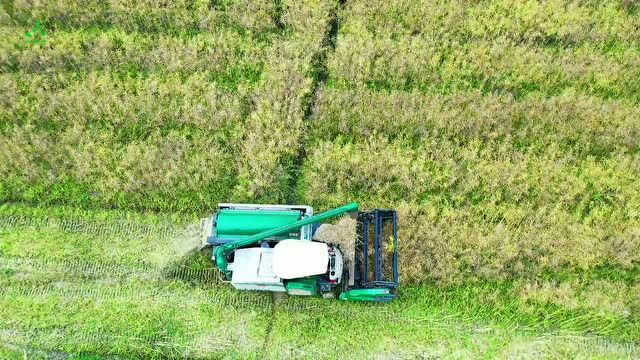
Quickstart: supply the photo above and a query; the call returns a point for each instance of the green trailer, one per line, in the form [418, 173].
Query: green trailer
[271, 248]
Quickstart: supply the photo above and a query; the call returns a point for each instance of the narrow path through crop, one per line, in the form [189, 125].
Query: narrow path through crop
[320, 74]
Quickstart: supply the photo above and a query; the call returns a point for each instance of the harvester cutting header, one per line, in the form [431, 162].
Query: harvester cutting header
[271, 248]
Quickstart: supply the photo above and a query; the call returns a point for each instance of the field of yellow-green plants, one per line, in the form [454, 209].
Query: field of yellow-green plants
[506, 133]
[168, 106]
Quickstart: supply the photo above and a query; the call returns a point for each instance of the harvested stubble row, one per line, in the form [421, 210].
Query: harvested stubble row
[79, 278]
[91, 226]
[182, 319]
[41, 271]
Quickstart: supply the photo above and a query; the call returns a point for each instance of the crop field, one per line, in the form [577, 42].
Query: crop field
[506, 133]
[112, 283]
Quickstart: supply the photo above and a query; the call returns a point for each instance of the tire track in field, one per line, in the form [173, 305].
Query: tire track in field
[158, 288]
[101, 270]
[321, 69]
[24, 279]
[135, 293]
[92, 226]
[320, 74]
[290, 306]
[163, 345]
[65, 272]
[166, 345]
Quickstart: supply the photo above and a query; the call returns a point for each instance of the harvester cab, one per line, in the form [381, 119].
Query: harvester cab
[271, 248]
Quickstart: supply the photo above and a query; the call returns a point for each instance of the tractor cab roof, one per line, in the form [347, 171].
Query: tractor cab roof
[294, 259]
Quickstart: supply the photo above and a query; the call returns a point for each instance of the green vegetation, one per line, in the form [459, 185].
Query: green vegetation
[505, 133]
[118, 283]
[215, 91]
[508, 148]
[518, 49]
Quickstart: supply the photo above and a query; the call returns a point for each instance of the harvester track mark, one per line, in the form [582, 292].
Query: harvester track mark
[99, 270]
[91, 226]
[162, 345]
[208, 276]
[165, 345]
[89, 269]
[34, 353]
[346, 311]
[277, 15]
[320, 75]
[134, 293]
[269, 329]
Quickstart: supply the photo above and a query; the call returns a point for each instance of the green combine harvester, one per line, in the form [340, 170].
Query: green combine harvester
[270, 248]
